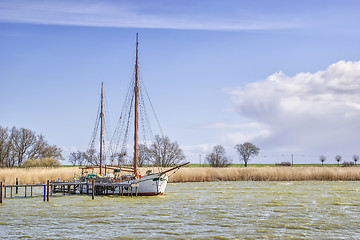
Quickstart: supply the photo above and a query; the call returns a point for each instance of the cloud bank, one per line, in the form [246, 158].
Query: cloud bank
[306, 113]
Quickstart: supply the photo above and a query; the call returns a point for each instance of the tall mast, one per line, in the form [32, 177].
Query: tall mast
[136, 89]
[101, 130]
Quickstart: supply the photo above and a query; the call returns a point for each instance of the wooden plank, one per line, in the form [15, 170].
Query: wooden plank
[17, 183]
[1, 192]
[93, 189]
[47, 190]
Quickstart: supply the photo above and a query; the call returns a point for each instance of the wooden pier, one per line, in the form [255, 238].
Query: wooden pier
[69, 188]
[124, 189]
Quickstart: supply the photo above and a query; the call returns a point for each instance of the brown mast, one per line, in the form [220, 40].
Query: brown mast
[136, 89]
[101, 129]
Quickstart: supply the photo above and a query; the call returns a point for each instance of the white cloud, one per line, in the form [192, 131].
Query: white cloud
[309, 111]
[125, 14]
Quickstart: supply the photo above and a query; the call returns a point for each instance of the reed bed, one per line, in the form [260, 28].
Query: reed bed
[37, 175]
[205, 174]
[267, 174]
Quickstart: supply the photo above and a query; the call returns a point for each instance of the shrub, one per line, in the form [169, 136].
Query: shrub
[44, 162]
[348, 164]
[283, 164]
[30, 163]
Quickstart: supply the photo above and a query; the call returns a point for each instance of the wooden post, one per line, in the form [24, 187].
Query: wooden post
[47, 190]
[1, 192]
[25, 190]
[93, 189]
[17, 183]
[31, 191]
[44, 192]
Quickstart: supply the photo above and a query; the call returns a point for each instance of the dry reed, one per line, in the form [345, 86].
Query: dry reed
[37, 175]
[266, 174]
[41, 175]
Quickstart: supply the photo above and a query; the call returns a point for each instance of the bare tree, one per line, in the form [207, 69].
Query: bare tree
[5, 146]
[338, 159]
[77, 158]
[356, 158]
[164, 153]
[41, 149]
[23, 140]
[218, 157]
[91, 157]
[143, 155]
[17, 145]
[322, 159]
[118, 158]
[246, 151]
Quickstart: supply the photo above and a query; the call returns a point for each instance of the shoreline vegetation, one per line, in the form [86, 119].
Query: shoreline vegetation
[196, 174]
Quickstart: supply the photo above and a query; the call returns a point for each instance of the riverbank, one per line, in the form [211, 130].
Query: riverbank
[198, 174]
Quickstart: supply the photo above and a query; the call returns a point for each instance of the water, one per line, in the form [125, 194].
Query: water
[216, 210]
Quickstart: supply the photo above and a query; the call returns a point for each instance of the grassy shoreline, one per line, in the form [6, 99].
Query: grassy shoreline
[197, 174]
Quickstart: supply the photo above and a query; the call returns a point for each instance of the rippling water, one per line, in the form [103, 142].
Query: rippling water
[217, 210]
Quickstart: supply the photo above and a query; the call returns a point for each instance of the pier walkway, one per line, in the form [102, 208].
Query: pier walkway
[68, 188]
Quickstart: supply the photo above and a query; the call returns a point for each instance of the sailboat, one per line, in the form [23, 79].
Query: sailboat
[150, 184]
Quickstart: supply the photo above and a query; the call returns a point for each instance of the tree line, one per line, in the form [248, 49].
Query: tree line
[338, 159]
[162, 152]
[18, 145]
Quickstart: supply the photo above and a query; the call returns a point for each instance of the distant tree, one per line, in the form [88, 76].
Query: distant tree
[91, 157]
[41, 149]
[164, 153]
[118, 158]
[77, 158]
[246, 151]
[356, 158]
[143, 155]
[5, 147]
[16, 145]
[23, 140]
[218, 157]
[322, 159]
[338, 159]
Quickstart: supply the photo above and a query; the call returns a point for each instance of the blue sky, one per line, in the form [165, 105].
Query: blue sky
[281, 74]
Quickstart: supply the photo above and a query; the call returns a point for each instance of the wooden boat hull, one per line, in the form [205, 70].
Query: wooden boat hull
[149, 185]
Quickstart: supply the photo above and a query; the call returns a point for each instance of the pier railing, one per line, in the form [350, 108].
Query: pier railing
[68, 188]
